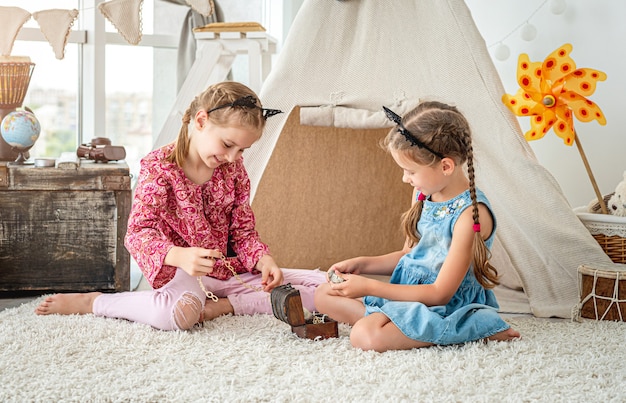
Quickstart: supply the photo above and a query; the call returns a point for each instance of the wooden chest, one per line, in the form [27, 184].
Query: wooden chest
[287, 306]
[63, 229]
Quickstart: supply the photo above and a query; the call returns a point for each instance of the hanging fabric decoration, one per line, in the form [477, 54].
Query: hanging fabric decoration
[204, 7]
[125, 15]
[11, 21]
[55, 25]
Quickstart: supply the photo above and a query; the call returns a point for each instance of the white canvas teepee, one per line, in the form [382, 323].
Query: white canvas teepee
[363, 54]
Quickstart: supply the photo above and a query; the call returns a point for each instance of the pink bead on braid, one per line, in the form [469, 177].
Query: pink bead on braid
[476, 227]
[421, 197]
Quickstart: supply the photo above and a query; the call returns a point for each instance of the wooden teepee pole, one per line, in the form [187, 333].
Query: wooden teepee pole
[591, 177]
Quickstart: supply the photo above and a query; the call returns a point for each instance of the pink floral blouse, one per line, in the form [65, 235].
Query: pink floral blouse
[170, 210]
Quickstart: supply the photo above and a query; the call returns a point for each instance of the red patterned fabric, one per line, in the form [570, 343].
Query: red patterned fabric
[170, 210]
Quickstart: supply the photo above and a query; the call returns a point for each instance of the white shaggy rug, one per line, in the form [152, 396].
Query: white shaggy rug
[258, 359]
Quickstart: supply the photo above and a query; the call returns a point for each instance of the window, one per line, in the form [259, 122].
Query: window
[72, 106]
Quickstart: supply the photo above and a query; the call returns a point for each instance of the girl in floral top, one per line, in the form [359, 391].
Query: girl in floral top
[440, 286]
[191, 229]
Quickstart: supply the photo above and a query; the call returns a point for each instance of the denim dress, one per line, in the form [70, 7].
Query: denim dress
[471, 314]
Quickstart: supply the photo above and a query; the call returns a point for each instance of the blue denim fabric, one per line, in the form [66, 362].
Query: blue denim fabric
[472, 312]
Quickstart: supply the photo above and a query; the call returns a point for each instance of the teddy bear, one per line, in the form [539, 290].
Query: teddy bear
[615, 202]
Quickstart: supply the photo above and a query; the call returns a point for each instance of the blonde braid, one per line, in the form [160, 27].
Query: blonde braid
[409, 222]
[485, 273]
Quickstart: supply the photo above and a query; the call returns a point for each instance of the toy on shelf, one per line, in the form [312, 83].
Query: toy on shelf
[101, 150]
[20, 129]
[15, 74]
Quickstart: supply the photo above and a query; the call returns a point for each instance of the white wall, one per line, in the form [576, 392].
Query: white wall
[597, 31]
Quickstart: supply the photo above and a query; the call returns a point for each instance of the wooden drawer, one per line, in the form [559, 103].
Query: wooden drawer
[63, 229]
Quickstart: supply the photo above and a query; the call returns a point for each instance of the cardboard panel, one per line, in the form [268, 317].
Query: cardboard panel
[329, 194]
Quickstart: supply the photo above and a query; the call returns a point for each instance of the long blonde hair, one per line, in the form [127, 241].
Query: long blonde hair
[214, 96]
[444, 130]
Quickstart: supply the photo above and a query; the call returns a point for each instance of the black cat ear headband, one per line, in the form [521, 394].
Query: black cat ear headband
[394, 117]
[248, 102]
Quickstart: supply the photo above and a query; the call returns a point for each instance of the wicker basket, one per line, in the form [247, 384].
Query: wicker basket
[608, 230]
[14, 81]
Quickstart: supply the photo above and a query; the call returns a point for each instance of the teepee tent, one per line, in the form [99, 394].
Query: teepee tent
[341, 62]
[322, 189]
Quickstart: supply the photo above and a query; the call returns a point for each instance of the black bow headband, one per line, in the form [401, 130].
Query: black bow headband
[394, 117]
[248, 102]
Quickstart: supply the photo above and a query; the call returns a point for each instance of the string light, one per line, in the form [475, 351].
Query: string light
[558, 6]
[502, 52]
[528, 31]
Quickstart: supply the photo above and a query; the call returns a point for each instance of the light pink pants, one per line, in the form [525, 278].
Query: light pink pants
[161, 308]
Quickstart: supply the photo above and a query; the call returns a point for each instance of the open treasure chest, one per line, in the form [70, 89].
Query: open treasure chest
[287, 307]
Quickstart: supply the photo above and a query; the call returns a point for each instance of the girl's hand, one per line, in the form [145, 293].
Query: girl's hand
[272, 277]
[193, 260]
[271, 274]
[353, 286]
[347, 266]
[381, 265]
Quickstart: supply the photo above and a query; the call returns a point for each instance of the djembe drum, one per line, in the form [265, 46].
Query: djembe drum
[602, 292]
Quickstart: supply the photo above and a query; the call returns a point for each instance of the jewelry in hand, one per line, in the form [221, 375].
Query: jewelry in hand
[230, 267]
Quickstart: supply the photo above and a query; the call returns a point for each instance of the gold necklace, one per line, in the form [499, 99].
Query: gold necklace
[229, 266]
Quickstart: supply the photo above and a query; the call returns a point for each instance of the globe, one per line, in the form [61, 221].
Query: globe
[20, 129]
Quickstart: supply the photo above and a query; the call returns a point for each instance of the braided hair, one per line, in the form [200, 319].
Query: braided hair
[444, 131]
[215, 95]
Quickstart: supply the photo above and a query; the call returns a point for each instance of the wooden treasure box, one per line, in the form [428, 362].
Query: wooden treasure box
[63, 229]
[287, 307]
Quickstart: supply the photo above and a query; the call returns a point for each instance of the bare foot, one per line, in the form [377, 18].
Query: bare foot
[505, 335]
[214, 309]
[67, 304]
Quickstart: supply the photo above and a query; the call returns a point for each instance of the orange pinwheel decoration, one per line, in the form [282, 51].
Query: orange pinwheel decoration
[552, 91]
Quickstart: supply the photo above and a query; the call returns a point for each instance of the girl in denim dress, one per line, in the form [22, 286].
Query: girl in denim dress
[440, 290]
